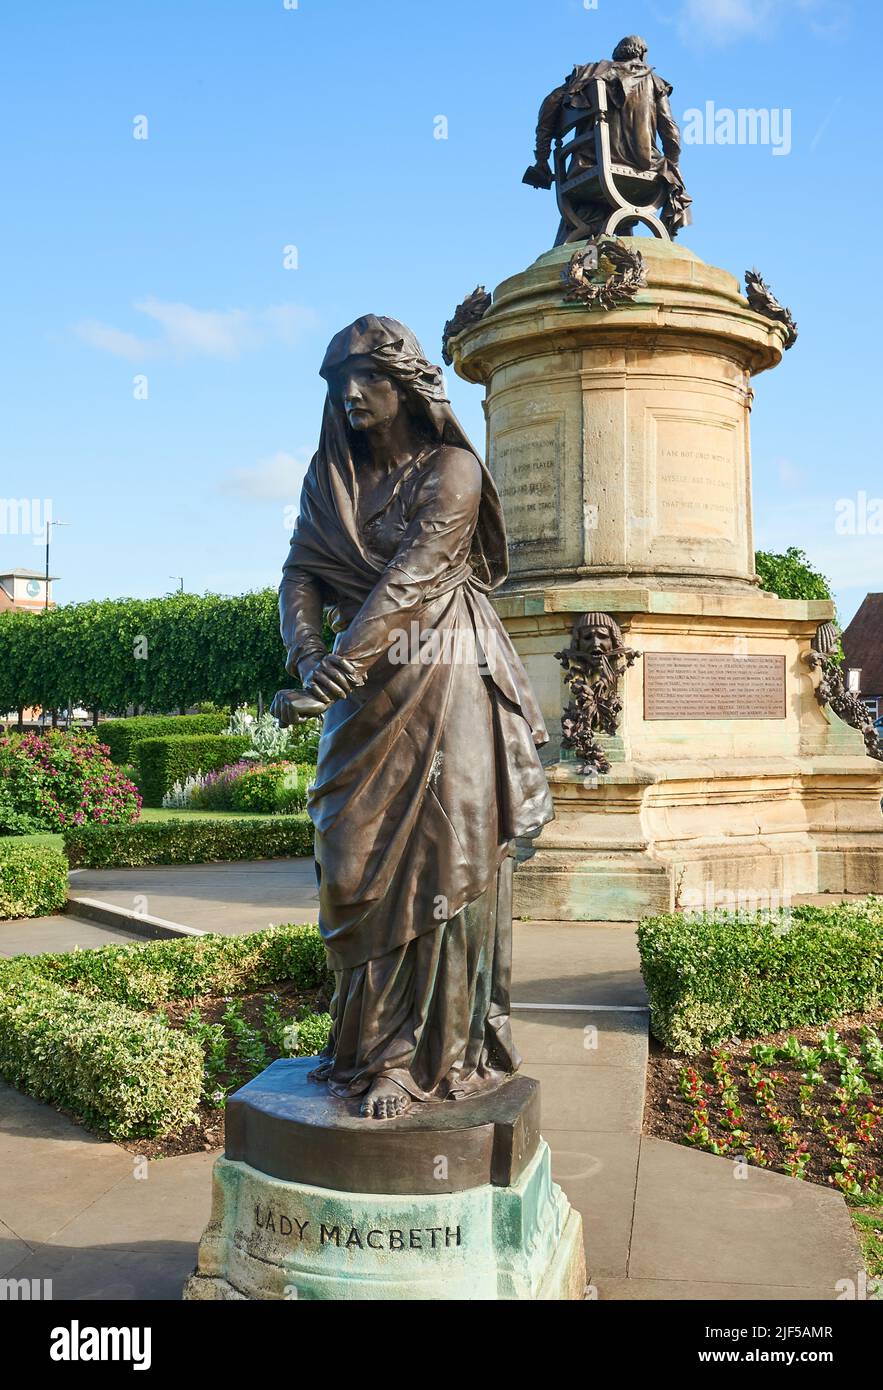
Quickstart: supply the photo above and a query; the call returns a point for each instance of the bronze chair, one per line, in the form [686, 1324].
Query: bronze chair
[632, 194]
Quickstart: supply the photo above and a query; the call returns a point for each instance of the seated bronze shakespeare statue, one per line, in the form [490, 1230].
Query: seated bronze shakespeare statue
[428, 766]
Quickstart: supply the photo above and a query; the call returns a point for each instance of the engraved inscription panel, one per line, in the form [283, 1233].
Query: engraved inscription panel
[526, 466]
[695, 479]
[693, 685]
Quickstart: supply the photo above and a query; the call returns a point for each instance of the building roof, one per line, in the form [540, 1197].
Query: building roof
[863, 644]
[26, 574]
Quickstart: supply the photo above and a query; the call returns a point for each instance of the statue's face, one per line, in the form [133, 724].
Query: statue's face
[596, 641]
[371, 399]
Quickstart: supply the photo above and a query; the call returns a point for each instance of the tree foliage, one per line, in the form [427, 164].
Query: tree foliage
[160, 654]
[791, 575]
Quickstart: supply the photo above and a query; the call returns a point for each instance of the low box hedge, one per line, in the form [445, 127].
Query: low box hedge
[143, 976]
[33, 880]
[71, 1032]
[162, 762]
[116, 1069]
[121, 735]
[187, 841]
[716, 976]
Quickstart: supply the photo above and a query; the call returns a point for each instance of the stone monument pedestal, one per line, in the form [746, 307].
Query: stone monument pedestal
[620, 444]
[453, 1200]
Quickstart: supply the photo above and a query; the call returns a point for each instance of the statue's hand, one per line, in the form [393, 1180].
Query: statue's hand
[291, 706]
[539, 175]
[330, 678]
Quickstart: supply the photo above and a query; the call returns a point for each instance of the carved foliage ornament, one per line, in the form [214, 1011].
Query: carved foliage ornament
[593, 665]
[473, 308]
[623, 269]
[762, 300]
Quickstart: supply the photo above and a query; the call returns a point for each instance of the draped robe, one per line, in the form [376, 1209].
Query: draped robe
[426, 772]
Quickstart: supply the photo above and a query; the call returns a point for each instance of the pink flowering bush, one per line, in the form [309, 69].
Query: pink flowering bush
[57, 779]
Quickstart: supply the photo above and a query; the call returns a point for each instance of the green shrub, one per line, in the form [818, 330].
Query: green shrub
[121, 735]
[61, 777]
[258, 789]
[188, 841]
[164, 761]
[71, 1033]
[310, 1035]
[716, 976]
[33, 880]
[116, 1069]
[143, 976]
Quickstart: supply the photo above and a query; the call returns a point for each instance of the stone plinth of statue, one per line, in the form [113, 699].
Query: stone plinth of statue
[453, 1200]
[619, 441]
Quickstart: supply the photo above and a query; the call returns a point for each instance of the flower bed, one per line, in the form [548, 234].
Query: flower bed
[164, 761]
[188, 842]
[269, 789]
[145, 1041]
[808, 1103]
[61, 778]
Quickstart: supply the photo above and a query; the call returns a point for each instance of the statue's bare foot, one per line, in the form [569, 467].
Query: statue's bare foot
[385, 1100]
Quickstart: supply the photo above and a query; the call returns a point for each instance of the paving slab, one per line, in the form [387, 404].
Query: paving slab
[166, 1200]
[620, 1290]
[695, 1220]
[12, 1249]
[155, 1271]
[589, 1099]
[598, 1173]
[34, 936]
[50, 1168]
[581, 1038]
[233, 898]
[576, 963]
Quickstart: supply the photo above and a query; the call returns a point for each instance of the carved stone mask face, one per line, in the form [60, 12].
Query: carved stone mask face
[370, 398]
[596, 642]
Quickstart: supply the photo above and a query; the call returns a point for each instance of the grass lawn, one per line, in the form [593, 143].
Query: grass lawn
[45, 837]
[868, 1222]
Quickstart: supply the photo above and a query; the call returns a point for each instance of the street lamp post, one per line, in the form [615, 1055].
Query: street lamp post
[180, 579]
[49, 525]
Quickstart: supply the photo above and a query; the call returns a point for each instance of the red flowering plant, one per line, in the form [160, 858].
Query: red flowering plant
[58, 778]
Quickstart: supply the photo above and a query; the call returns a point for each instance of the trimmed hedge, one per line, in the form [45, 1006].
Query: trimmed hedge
[142, 976]
[121, 735]
[164, 761]
[188, 841]
[717, 976]
[276, 787]
[70, 1032]
[33, 880]
[116, 1069]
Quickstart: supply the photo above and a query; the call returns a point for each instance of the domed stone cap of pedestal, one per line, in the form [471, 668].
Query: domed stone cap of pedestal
[684, 298]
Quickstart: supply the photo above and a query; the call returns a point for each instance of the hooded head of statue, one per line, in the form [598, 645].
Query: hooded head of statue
[328, 522]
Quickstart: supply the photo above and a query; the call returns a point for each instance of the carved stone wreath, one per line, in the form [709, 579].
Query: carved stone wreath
[625, 272]
[762, 300]
[473, 308]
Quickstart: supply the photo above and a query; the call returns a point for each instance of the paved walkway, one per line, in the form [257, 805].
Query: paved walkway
[661, 1221]
[229, 898]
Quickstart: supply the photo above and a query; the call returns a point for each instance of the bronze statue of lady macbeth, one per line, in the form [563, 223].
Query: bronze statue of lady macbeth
[427, 765]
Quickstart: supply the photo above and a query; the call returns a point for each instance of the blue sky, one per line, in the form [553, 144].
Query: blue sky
[313, 127]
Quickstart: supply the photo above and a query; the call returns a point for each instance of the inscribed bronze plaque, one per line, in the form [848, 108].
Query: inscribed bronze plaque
[693, 685]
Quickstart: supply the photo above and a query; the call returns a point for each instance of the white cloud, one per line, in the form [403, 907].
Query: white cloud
[189, 332]
[727, 21]
[101, 335]
[277, 478]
